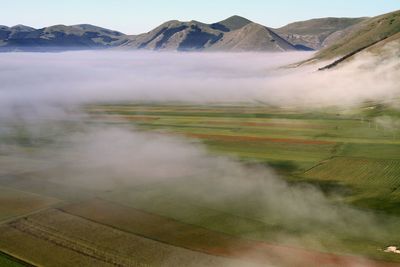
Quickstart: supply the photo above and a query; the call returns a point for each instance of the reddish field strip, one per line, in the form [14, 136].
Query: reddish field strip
[125, 117]
[139, 118]
[268, 124]
[259, 139]
[206, 241]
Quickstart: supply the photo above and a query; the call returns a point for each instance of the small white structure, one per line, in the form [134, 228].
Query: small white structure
[392, 249]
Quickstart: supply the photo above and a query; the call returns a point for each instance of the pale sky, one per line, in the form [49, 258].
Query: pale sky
[134, 16]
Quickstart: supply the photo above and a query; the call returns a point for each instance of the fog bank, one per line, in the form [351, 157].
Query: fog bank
[77, 77]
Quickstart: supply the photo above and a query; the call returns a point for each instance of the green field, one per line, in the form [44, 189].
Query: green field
[343, 152]
[284, 138]
[9, 261]
[352, 160]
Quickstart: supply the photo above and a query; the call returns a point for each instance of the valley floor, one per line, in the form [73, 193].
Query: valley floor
[346, 154]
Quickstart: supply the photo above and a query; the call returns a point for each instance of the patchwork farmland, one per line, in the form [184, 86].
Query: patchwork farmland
[196, 221]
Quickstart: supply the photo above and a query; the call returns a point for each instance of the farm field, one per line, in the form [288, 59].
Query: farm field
[15, 203]
[201, 239]
[36, 250]
[290, 141]
[96, 244]
[197, 219]
[345, 153]
[376, 180]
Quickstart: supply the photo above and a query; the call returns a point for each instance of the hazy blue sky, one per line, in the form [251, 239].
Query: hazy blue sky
[134, 16]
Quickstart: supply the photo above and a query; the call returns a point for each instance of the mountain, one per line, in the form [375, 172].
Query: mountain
[233, 34]
[361, 36]
[384, 50]
[176, 35]
[336, 37]
[315, 33]
[14, 32]
[231, 24]
[58, 37]
[383, 47]
[252, 37]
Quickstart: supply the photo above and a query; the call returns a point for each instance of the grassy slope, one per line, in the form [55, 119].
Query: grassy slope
[314, 33]
[362, 35]
[319, 26]
[384, 49]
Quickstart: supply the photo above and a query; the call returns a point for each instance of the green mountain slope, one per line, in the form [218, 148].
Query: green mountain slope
[362, 35]
[313, 33]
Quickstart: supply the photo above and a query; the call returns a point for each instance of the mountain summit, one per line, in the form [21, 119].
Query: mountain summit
[231, 24]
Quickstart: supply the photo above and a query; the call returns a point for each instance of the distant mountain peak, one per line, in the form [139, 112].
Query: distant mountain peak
[237, 19]
[21, 27]
[94, 28]
[231, 24]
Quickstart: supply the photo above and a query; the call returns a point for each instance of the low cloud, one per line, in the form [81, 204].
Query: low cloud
[77, 77]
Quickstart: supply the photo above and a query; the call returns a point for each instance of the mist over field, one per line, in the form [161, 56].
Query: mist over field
[103, 158]
[79, 77]
[40, 95]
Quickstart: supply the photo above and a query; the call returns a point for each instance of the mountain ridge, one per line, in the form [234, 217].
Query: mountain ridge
[235, 33]
[232, 34]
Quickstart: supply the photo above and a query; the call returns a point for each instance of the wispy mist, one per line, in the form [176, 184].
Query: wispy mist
[202, 77]
[111, 161]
